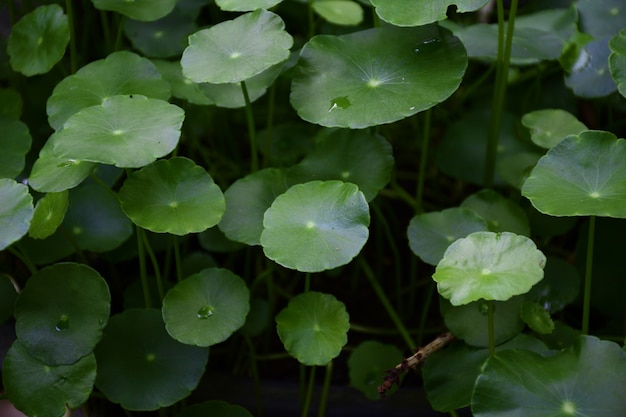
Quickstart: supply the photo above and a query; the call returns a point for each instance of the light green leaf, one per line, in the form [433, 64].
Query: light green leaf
[51, 174]
[339, 12]
[550, 126]
[182, 87]
[421, 12]
[537, 317]
[246, 5]
[49, 213]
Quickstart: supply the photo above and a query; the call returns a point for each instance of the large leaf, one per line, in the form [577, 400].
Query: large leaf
[206, 308]
[316, 226]
[235, 50]
[16, 211]
[38, 389]
[313, 327]
[489, 266]
[583, 380]
[38, 40]
[15, 142]
[174, 196]
[617, 61]
[146, 10]
[582, 175]
[376, 76]
[119, 73]
[125, 131]
[61, 312]
[141, 367]
[421, 12]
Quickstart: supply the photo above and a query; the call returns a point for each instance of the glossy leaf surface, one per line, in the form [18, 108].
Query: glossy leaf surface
[376, 76]
[421, 12]
[51, 174]
[16, 211]
[316, 226]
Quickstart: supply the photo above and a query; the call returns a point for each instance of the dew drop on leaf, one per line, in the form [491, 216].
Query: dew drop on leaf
[63, 323]
[204, 313]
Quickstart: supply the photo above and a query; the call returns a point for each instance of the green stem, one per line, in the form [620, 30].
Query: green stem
[142, 268]
[120, 32]
[309, 393]
[70, 20]
[453, 413]
[321, 412]
[255, 376]
[490, 327]
[254, 159]
[427, 302]
[311, 19]
[588, 275]
[423, 160]
[386, 304]
[32, 268]
[177, 260]
[503, 61]
[106, 31]
[307, 282]
[155, 264]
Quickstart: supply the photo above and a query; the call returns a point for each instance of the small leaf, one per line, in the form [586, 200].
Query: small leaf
[172, 196]
[367, 362]
[38, 40]
[49, 213]
[15, 143]
[50, 174]
[617, 61]
[206, 308]
[339, 12]
[501, 214]
[236, 50]
[16, 211]
[590, 77]
[145, 10]
[583, 175]
[421, 12]
[550, 126]
[490, 266]
[313, 327]
[537, 318]
[316, 226]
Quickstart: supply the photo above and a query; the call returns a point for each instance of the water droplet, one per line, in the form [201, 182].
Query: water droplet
[582, 61]
[62, 324]
[427, 44]
[205, 312]
[339, 103]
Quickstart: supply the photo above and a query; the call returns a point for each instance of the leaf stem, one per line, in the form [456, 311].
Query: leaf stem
[32, 268]
[142, 268]
[177, 260]
[490, 327]
[309, 393]
[254, 159]
[155, 264]
[386, 304]
[423, 160]
[588, 275]
[321, 412]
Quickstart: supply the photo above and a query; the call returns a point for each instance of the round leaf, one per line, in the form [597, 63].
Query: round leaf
[246, 5]
[206, 308]
[49, 213]
[121, 72]
[125, 131]
[421, 12]
[247, 199]
[61, 312]
[537, 317]
[355, 156]
[501, 214]
[582, 380]
[38, 389]
[15, 142]
[316, 226]
[215, 408]
[601, 19]
[51, 174]
[376, 76]
[163, 38]
[367, 362]
[16, 211]
[550, 126]
[582, 175]
[490, 266]
[172, 196]
[238, 49]
[430, 234]
[146, 10]
[339, 12]
[313, 327]
[141, 367]
[617, 61]
[182, 87]
[38, 40]
[590, 77]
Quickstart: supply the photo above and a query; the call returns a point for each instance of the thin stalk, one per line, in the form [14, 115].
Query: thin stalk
[155, 264]
[177, 260]
[423, 161]
[255, 376]
[503, 61]
[32, 268]
[254, 158]
[387, 305]
[311, 19]
[321, 412]
[271, 105]
[490, 327]
[453, 413]
[142, 269]
[588, 274]
[120, 32]
[70, 20]
[309, 393]
[427, 302]
[307, 282]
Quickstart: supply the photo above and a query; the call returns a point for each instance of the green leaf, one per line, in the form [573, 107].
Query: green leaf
[141, 367]
[16, 211]
[421, 12]
[537, 317]
[355, 156]
[583, 175]
[617, 61]
[339, 12]
[38, 40]
[316, 226]
[430, 234]
[367, 362]
[50, 174]
[550, 126]
[238, 49]
[49, 213]
[118, 74]
[247, 199]
[501, 214]
[601, 19]
[246, 5]
[469, 322]
[125, 131]
[182, 87]
[206, 308]
[145, 10]
[313, 327]
[8, 295]
[490, 266]
[172, 196]
[376, 76]
[38, 389]
[61, 312]
[214, 408]
[583, 380]
[15, 143]
[590, 77]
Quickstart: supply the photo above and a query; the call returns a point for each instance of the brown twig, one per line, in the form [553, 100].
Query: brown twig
[412, 362]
